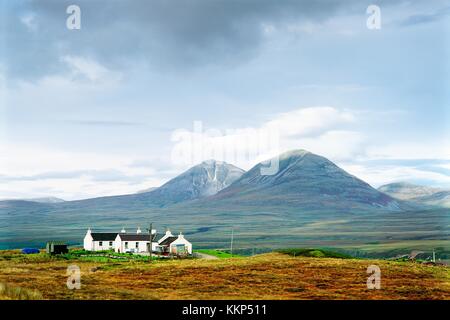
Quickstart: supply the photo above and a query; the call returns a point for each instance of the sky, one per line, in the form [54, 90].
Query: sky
[146, 89]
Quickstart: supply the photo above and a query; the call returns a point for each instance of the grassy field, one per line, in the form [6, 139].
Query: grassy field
[218, 253]
[254, 228]
[265, 276]
[315, 253]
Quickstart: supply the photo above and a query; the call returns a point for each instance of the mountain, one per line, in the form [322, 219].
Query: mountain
[46, 200]
[147, 190]
[203, 180]
[39, 200]
[309, 201]
[407, 191]
[417, 193]
[440, 199]
[307, 181]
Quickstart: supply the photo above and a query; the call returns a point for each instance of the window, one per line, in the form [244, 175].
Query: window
[100, 243]
[110, 243]
[126, 245]
[137, 245]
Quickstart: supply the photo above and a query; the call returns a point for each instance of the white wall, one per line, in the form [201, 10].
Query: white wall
[90, 245]
[142, 245]
[104, 245]
[87, 242]
[117, 244]
[181, 240]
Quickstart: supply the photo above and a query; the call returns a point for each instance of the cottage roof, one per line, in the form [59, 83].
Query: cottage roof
[136, 237]
[105, 236]
[168, 241]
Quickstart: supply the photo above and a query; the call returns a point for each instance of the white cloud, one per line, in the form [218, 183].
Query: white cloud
[327, 131]
[310, 121]
[29, 20]
[410, 150]
[29, 161]
[338, 145]
[377, 175]
[90, 69]
[318, 129]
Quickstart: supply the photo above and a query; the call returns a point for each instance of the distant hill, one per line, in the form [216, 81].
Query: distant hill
[417, 193]
[407, 191]
[47, 200]
[147, 190]
[39, 200]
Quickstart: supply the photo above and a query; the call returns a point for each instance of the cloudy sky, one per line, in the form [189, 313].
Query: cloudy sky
[110, 108]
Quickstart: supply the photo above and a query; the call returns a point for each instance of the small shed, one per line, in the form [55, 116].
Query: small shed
[56, 247]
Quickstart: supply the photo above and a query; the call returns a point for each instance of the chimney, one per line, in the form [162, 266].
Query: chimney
[180, 236]
[168, 233]
[89, 231]
[138, 231]
[123, 230]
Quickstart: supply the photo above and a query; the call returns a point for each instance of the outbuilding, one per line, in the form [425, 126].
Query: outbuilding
[56, 247]
[176, 245]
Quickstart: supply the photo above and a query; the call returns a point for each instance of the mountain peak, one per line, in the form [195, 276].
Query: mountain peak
[294, 153]
[213, 162]
[202, 180]
[305, 180]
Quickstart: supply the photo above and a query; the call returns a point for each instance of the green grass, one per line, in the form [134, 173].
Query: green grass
[218, 253]
[102, 256]
[315, 253]
[394, 248]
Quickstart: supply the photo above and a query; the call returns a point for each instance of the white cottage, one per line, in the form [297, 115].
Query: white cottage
[174, 245]
[137, 242]
[95, 241]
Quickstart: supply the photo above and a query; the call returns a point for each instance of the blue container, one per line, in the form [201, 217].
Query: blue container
[30, 250]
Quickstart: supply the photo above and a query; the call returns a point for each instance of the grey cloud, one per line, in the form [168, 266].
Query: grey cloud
[425, 18]
[166, 34]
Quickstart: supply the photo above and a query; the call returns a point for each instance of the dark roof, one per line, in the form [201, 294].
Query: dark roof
[168, 241]
[97, 236]
[136, 237]
[57, 243]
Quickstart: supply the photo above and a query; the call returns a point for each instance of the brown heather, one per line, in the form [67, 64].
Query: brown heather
[267, 276]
